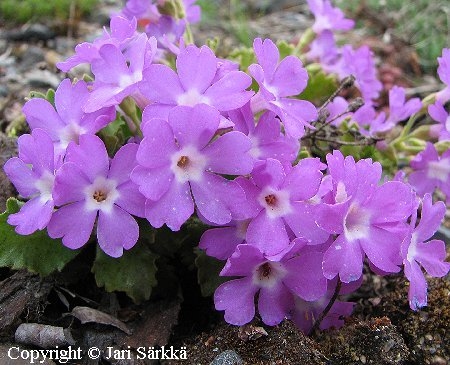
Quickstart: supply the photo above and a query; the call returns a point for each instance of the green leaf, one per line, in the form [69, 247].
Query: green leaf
[134, 273]
[208, 273]
[37, 94]
[320, 87]
[50, 96]
[285, 49]
[244, 56]
[37, 252]
[115, 134]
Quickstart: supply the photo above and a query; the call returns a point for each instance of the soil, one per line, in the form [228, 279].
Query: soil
[382, 330]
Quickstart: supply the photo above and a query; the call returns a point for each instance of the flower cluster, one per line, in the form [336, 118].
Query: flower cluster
[210, 140]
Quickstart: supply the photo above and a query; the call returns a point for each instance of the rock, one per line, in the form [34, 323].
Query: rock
[228, 357]
[4, 91]
[30, 57]
[36, 32]
[8, 149]
[42, 79]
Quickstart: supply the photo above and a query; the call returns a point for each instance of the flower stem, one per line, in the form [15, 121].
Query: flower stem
[327, 308]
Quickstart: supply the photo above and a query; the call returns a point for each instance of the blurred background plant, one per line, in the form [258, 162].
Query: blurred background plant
[423, 24]
[23, 11]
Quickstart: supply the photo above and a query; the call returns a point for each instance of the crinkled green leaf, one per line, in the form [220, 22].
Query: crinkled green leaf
[115, 134]
[320, 87]
[244, 56]
[36, 252]
[208, 273]
[134, 273]
[213, 43]
[285, 49]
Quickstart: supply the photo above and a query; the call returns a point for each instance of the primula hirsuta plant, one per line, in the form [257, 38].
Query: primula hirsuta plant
[293, 186]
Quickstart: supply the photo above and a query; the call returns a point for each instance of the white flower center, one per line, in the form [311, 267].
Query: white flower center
[255, 151]
[69, 133]
[439, 170]
[130, 79]
[341, 193]
[191, 98]
[101, 194]
[276, 202]
[268, 274]
[188, 164]
[45, 186]
[356, 223]
[412, 249]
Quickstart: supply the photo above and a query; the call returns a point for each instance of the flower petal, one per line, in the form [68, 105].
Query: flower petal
[305, 276]
[236, 298]
[116, 230]
[73, 223]
[173, 208]
[90, 156]
[161, 84]
[194, 125]
[34, 215]
[343, 258]
[274, 304]
[229, 154]
[157, 146]
[153, 183]
[268, 234]
[216, 197]
[196, 68]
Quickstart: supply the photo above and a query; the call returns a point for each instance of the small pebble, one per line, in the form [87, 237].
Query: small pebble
[228, 357]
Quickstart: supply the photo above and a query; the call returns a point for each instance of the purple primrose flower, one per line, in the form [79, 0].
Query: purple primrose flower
[368, 218]
[418, 251]
[178, 164]
[399, 110]
[328, 17]
[444, 74]
[194, 84]
[277, 81]
[431, 172]
[280, 197]
[267, 139]
[119, 72]
[89, 188]
[33, 175]
[277, 281]
[122, 32]
[66, 121]
[306, 313]
[439, 114]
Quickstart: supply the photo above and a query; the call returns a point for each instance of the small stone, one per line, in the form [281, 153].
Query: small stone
[437, 360]
[42, 78]
[4, 91]
[30, 57]
[228, 357]
[39, 32]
